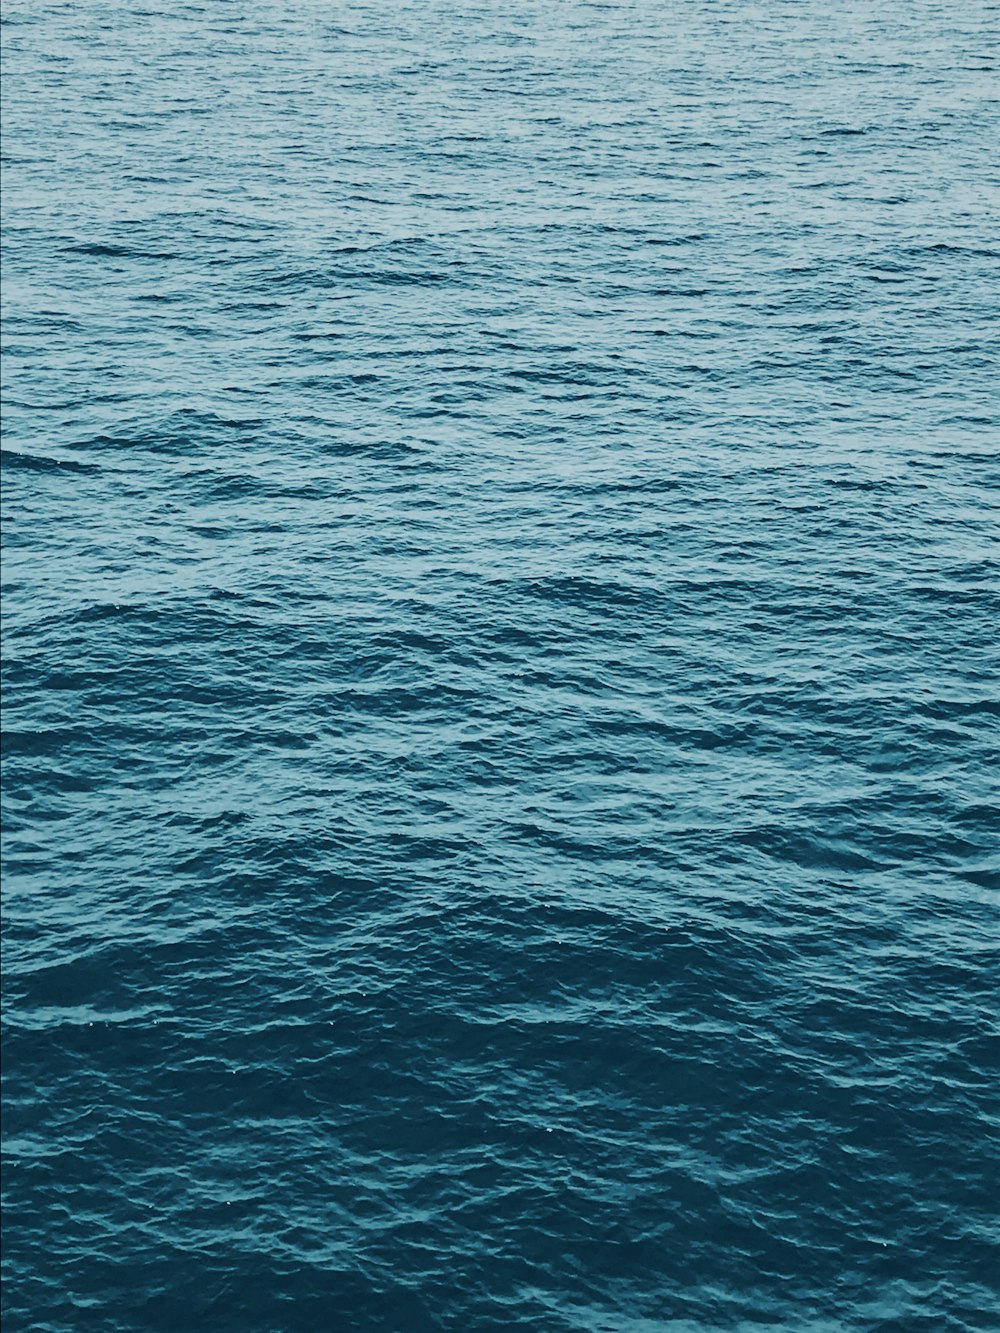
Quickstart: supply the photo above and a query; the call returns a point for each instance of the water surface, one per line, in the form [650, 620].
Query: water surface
[500, 679]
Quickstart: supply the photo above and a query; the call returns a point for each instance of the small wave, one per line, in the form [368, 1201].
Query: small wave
[17, 460]
[116, 250]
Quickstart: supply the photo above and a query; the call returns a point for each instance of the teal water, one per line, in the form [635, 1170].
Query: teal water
[500, 647]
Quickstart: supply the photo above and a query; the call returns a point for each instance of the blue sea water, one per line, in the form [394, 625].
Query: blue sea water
[500, 697]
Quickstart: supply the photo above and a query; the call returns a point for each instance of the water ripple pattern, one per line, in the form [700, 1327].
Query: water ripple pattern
[501, 727]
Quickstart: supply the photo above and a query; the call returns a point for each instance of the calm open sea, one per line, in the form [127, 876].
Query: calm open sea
[501, 621]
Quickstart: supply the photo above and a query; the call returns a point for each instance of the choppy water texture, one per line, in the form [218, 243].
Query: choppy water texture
[501, 610]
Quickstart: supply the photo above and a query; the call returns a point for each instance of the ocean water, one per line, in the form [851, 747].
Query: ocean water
[500, 697]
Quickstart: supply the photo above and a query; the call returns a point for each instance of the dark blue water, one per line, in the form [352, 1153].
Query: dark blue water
[501, 603]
